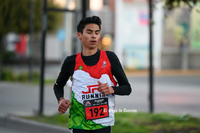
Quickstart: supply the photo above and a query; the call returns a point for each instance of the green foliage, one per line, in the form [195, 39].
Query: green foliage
[153, 123]
[139, 123]
[8, 75]
[170, 4]
[57, 119]
[15, 16]
[23, 77]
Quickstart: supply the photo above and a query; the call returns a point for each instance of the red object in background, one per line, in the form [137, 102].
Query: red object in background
[144, 18]
[20, 47]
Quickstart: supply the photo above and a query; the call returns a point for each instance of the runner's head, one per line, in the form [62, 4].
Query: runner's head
[89, 32]
[88, 20]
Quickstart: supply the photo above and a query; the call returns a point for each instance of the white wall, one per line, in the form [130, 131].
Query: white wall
[53, 48]
[132, 34]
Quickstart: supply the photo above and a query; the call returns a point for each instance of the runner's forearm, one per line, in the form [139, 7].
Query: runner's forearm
[59, 91]
[122, 90]
[62, 78]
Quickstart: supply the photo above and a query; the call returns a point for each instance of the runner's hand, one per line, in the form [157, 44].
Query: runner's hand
[105, 89]
[64, 105]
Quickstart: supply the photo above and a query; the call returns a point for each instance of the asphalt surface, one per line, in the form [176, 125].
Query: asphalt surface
[13, 124]
[8, 130]
[172, 94]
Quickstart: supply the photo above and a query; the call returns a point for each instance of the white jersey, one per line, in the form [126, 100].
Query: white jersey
[90, 110]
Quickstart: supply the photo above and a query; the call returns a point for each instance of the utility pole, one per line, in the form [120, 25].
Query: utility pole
[42, 61]
[151, 103]
[84, 2]
[31, 30]
[84, 8]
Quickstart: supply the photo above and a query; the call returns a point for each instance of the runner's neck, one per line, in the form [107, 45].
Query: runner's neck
[89, 52]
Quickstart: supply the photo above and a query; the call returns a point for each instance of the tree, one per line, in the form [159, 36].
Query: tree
[14, 17]
[170, 4]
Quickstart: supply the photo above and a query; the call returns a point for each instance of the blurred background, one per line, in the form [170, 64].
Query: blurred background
[25, 36]
[125, 30]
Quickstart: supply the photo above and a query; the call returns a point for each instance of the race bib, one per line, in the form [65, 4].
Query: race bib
[95, 109]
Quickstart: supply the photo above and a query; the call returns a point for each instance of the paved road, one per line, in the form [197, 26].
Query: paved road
[23, 99]
[173, 94]
[8, 130]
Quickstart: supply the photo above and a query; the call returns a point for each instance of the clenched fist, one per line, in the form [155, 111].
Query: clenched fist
[64, 105]
[105, 89]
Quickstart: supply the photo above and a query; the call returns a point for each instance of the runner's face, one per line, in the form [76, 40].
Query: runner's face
[90, 36]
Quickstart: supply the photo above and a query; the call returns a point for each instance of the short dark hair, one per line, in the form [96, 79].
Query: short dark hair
[88, 20]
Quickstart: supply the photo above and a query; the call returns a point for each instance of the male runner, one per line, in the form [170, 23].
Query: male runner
[93, 85]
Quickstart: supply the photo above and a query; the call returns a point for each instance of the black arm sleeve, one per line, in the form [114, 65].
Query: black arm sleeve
[124, 87]
[67, 70]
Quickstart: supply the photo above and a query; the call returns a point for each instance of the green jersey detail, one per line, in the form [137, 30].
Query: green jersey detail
[81, 67]
[77, 117]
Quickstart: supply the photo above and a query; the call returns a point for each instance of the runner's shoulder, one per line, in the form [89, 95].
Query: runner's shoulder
[111, 55]
[70, 59]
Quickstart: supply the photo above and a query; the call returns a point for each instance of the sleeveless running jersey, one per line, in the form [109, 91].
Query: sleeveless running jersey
[90, 110]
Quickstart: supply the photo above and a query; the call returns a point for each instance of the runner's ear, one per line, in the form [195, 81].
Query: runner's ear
[79, 35]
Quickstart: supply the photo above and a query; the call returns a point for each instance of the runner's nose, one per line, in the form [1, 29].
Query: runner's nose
[94, 35]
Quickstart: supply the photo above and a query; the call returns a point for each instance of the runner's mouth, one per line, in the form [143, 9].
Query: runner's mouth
[93, 41]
